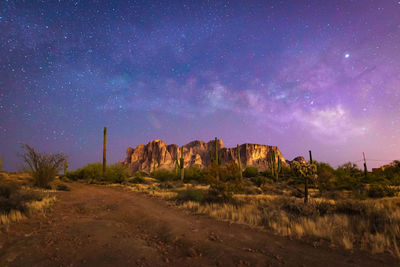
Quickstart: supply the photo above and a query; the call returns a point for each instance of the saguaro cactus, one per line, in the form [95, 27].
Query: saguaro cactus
[239, 162]
[365, 168]
[217, 159]
[182, 165]
[275, 165]
[307, 171]
[65, 167]
[104, 151]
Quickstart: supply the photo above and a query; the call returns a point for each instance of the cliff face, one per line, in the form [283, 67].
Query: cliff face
[156, 154]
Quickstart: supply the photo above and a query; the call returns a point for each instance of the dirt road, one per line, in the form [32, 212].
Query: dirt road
[102, 226]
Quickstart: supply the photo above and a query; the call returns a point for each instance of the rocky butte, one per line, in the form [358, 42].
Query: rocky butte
[158, 155]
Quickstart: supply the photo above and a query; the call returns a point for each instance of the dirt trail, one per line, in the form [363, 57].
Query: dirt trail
[102, 226]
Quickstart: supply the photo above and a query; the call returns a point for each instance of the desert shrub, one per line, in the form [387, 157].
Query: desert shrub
[140, 174]
[259, 180]
[191, 194]
[116, 173]
[43, 167]
[252, 190]
[63, 187]
[163, 175]
[171, 184]
[194, 174]
[351, 207]
[224, 182]
[137, 180]
[295, 192]
[6, 189]
[298, 208]
[250, 172]
[347, 176]
[220, 192]
[324, 207]
[326, 176]
[90, 171]
[13, 198]
[380, 190]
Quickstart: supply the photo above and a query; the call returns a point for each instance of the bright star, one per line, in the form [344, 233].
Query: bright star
[347, 55]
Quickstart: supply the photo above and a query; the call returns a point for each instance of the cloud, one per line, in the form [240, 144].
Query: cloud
[331, 124]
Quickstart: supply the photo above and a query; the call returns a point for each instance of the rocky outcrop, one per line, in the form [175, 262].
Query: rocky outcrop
[299, 159]
[156, 155]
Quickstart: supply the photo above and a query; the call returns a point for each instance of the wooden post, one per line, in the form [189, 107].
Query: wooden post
[104, 151]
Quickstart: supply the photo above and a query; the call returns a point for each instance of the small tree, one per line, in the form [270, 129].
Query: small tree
[43, 167]
[306, 171]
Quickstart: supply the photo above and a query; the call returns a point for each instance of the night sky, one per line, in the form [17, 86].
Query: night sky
[319, 75]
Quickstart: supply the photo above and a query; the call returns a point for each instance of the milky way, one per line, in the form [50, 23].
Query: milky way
[319, 75]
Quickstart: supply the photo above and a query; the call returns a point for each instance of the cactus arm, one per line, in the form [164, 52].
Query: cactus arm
[239, 162]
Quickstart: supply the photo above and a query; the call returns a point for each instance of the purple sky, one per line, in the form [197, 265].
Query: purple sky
[319, 75]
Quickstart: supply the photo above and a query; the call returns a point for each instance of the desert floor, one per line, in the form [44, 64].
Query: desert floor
[95, 225]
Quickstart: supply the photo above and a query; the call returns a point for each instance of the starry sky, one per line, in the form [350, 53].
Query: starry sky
[319, 75]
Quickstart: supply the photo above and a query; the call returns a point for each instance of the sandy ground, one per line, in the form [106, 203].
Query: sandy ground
[104, 226]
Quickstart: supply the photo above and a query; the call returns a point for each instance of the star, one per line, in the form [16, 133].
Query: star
[347, 55]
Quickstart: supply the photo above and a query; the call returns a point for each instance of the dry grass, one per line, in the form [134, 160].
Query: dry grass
[34, 207]
[374, 225]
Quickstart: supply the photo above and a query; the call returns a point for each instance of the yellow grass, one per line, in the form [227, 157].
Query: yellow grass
[33, 207]
[262, 212]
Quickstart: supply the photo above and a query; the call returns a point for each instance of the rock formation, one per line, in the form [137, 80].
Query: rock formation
[299, 159]
[158, 155]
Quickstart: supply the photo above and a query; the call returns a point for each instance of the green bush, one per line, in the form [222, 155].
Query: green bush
[191, 194]
[259, 180]
[250, 172]
[90, 171]
[380, 190]
[164, 175]
[194, 174]
[115, 173]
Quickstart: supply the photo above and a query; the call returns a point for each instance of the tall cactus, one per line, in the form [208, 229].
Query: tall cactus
[217, 159]
[239, 162]
[275, 165]
[65, 167]
[182, 165]
[104, 152]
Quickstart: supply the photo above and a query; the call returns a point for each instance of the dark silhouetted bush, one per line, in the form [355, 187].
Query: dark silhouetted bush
[43, 167]
[137, 180]
[63, 187]
[13, 198]
[380, 190]
[191, 194]
[163, 175]
[194, 174]
[250, 172]
[259, 180]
